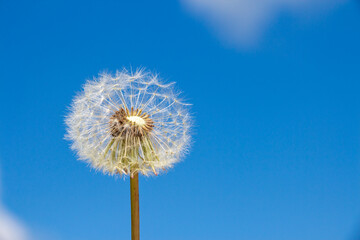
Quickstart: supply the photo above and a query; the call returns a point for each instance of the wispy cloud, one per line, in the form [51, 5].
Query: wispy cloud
[243, 22]
[10, 227]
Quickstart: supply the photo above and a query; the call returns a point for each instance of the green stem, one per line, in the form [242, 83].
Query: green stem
[135, 216]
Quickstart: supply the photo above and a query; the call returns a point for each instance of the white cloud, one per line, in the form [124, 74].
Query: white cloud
[243, 22]
[11, 228]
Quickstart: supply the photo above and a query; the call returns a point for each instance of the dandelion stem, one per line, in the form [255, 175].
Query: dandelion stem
[134, 197]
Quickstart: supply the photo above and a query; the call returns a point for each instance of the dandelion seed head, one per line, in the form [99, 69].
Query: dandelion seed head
[128, 122]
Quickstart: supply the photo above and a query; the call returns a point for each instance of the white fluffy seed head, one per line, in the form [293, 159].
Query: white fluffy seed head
[129, 122]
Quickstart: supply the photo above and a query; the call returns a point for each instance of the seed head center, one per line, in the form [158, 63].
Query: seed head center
[130, 122]
[136, 120]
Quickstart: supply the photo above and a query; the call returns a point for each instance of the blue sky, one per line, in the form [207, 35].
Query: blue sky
[276, 103]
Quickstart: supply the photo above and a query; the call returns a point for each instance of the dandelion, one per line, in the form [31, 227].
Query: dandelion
[129, 123]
